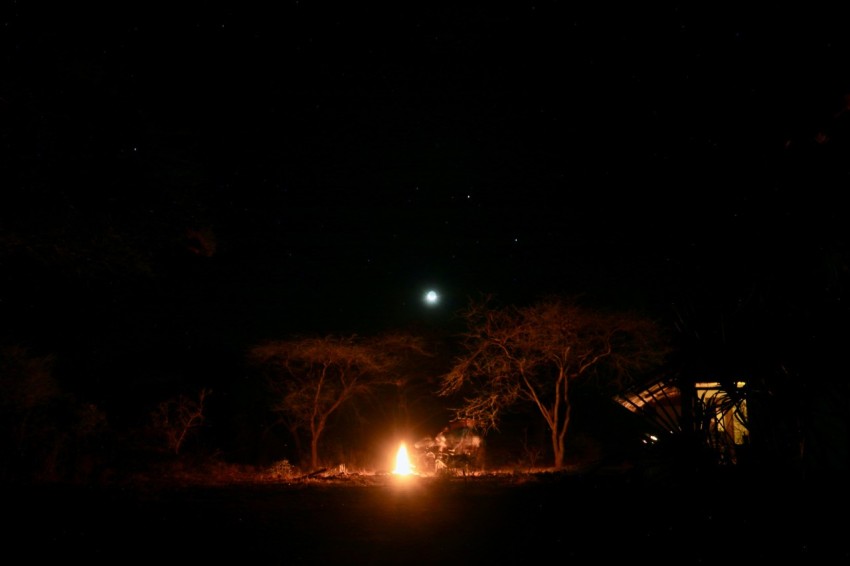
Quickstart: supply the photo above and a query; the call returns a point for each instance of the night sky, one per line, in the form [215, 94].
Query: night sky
[185, 179]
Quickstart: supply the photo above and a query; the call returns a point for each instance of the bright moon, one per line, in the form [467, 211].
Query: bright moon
[431, 297]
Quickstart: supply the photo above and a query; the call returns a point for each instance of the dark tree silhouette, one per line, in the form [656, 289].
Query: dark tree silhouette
[312, 378]
[534, 354]
[175, 418]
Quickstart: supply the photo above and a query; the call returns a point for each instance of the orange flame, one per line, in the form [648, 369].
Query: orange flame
[402, 462]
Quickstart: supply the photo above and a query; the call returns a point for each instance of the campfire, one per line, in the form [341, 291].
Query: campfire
[402, 462]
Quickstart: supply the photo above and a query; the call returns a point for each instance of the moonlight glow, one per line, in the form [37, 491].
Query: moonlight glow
[432, 298]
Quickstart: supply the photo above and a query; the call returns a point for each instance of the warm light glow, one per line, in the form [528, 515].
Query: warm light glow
[402, 462]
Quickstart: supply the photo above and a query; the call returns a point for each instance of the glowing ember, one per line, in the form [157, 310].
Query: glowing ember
[402, 462]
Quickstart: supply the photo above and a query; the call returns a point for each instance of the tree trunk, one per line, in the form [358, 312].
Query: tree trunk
[560, 418]
[558, 449]
[559, 435]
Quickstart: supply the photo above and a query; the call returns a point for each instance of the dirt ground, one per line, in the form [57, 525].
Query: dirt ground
[418, 520]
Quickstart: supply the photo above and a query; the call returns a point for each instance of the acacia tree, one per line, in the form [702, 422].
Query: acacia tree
[45, 432]
[175, 418]
[312, 378]
[535, 354]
